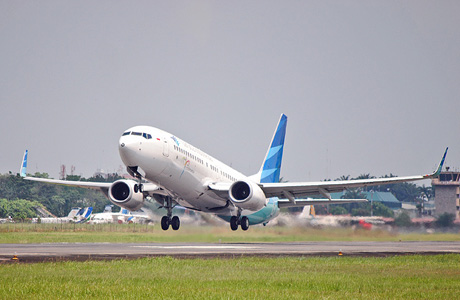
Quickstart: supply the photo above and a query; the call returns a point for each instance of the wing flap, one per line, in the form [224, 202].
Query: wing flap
[304, 202]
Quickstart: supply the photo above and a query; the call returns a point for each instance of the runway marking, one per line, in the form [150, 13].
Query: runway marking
[198, 247]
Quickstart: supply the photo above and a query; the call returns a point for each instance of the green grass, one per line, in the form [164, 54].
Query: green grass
[130, 233]
[410, 277]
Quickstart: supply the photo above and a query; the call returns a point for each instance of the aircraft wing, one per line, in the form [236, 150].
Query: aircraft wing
[83, 184]
[294, 190]
[148, 188]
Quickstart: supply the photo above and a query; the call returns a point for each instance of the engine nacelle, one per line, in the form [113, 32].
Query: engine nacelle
[122, 193]
[247, 195]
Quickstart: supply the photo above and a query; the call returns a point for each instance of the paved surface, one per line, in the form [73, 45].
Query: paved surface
[85, 251]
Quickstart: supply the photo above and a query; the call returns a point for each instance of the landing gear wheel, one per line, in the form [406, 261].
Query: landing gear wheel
[175, 223]
[165, 223]
[136, 188]
[234, 223]
[244, 223]
[141, 188]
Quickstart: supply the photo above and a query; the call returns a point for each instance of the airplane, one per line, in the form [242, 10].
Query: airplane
[177, 173]
[76, 215]
[123, 216]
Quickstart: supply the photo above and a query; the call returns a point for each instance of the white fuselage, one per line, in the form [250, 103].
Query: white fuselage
[178, 167]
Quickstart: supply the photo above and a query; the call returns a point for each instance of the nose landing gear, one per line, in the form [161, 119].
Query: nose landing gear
[168, 219]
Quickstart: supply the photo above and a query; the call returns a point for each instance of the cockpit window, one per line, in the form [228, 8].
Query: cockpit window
[143, 134]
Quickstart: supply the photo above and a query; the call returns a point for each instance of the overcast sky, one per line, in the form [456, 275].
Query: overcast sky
[368, 86]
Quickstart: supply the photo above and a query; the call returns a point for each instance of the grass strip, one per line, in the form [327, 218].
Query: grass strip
[405, 277]
[132, 233]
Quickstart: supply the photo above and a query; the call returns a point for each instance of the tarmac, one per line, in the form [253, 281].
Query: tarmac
[106, 251]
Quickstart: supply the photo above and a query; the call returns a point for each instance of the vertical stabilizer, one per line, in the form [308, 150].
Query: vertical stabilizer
[271, 167]
[23, 172]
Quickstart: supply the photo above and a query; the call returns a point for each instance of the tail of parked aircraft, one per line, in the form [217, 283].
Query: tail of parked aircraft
[73, 212]
[271, 166]
[84, 214]
[23, 172]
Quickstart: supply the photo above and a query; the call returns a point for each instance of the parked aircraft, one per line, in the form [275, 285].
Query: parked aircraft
[6, 220]
[178, 173]
[123, 216]
[76, 215]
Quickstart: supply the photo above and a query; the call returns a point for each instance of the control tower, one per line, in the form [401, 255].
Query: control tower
[447, 193]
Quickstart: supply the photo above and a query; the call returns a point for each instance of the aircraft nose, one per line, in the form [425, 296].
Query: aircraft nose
[128, 151]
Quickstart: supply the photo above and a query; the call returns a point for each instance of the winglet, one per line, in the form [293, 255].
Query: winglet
[438, 171]
[23, 171]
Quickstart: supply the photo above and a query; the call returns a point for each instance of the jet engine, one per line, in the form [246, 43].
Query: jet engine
[247, 195]
[122, 193]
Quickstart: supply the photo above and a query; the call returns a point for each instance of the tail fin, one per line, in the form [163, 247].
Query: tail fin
[23, 172]
[271, 167]
[73, 212]
[89, 211]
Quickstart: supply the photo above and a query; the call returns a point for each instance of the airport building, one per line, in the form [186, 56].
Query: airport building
[447, 193]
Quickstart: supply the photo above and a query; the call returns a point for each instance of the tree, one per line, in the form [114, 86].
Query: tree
[445, 220]
[57, 199]
[403, 220]
[380, 209]
[337, 210]
[19, 209]
[426, 191]
[361, 211]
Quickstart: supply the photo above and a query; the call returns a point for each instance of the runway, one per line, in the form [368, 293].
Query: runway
[97, 251]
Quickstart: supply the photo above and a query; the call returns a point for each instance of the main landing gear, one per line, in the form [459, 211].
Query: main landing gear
[168, 219]
[242, 221]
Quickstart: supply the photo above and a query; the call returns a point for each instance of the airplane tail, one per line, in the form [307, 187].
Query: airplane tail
[73, 212]
[85, 214]
[271, 166]
[23, 172]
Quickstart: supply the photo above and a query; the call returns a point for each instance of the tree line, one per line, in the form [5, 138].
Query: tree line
[17, 196]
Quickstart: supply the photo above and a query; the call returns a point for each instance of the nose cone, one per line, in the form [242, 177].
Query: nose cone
[128, 149]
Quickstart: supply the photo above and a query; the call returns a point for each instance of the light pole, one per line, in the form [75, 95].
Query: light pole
[372, 198]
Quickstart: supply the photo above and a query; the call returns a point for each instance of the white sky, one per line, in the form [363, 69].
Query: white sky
[368, 86]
